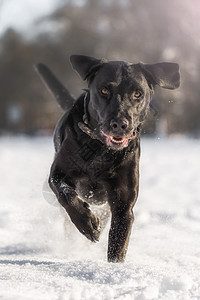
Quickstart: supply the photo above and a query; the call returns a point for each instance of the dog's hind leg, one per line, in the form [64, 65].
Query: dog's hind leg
[62, 95]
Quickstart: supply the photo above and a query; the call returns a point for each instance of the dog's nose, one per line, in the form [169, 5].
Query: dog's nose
[119, 124]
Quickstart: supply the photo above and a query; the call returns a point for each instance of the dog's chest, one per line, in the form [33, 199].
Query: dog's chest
[94, 160]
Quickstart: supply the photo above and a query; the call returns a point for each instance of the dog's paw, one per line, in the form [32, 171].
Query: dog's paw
[86, 222]
[92, 228]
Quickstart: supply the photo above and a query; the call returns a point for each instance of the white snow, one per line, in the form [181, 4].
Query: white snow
[42, 256]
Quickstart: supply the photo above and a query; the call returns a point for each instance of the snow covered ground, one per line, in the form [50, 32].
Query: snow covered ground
[41, 260]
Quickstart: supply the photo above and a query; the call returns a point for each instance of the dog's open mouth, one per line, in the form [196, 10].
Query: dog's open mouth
[118, 142]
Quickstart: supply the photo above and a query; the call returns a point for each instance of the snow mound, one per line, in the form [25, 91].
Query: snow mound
[42, 255]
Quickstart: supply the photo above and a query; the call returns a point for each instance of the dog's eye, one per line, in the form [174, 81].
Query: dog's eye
[137, 94]
[105, 92]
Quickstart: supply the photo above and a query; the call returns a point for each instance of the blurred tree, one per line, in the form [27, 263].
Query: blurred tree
[132, 30]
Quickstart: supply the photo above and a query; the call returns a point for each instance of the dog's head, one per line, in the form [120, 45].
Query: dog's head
[120, 94]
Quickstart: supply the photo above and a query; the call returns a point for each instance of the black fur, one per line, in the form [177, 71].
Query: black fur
[97, 142]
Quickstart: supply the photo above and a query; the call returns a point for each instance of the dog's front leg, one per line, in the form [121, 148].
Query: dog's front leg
[122, 201]
[119, 234]
[80, 214]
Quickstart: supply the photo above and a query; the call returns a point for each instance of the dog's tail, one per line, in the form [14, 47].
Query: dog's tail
[63, 97]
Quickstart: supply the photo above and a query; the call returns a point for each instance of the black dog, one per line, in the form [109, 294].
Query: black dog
[97, 142]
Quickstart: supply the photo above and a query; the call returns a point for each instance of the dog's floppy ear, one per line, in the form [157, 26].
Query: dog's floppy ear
[164, 74]
[86, 66]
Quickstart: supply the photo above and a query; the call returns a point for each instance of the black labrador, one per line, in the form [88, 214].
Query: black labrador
[97, 142]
